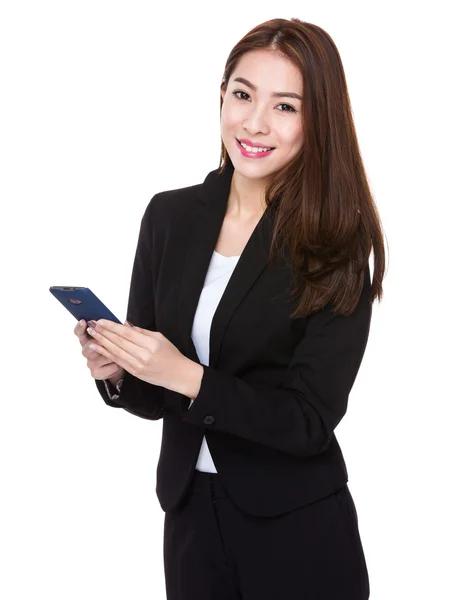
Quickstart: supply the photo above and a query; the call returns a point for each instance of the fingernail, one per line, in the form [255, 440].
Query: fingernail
[92, 323]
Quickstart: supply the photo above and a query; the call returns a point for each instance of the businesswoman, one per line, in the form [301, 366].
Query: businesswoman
[251, 301]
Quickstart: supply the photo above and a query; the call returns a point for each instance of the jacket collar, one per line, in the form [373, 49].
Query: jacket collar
[201, 234]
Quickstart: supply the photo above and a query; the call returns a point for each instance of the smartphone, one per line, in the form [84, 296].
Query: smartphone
[82, 303]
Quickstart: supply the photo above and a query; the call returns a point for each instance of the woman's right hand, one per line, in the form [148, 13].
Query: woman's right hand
[98, 364]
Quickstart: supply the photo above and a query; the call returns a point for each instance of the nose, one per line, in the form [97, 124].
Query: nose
[256, 121]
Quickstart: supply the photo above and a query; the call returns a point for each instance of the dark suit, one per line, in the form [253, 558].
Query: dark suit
[275, 388]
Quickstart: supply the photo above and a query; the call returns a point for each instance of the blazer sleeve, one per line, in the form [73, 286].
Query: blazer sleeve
[137, 396]
[299, 416]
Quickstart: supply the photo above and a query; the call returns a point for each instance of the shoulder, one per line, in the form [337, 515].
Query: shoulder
[167, 207]
[164, 211]
[169, 204]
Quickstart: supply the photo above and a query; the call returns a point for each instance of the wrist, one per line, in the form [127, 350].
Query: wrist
[116, 378]
[189, 378]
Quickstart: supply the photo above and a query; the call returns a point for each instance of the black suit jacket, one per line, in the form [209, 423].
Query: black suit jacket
[275, 388]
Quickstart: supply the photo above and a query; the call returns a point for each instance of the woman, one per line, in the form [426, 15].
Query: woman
[251, 303]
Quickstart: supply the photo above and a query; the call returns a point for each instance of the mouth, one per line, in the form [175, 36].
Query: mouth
[254, 148]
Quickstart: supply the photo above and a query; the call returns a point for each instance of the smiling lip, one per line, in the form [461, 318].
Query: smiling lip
[249, 143]
[254, 155]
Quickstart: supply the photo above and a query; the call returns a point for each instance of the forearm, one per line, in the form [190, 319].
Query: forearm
[136, 396]
[188, 379]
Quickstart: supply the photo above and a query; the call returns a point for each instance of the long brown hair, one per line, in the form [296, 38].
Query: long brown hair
[323, 208]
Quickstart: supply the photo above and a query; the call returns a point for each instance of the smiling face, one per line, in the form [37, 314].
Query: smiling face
[262, 107]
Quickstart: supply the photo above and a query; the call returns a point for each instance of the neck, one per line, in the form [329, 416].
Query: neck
[246, 199]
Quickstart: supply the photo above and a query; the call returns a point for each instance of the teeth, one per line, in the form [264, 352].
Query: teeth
[252, 149]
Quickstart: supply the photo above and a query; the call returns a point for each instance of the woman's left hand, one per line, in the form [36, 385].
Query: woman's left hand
[148, 355]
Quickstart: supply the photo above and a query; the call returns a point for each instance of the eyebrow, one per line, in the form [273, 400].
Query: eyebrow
[274, 95]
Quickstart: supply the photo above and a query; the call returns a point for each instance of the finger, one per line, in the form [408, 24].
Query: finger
[96, 359]
[118, 333]
[129, 363]
[80, 326]
[130, 349]
[122, 351]
[108, 367]
[90, 354]
[80, 332]
[105, 372]
[101, 361]
[106, 362]
[121, 329]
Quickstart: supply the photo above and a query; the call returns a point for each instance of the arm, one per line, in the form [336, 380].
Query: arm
[299, 416]
[136, 396]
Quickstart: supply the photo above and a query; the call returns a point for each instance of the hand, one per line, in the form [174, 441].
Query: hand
[148, 355]
[100, 367]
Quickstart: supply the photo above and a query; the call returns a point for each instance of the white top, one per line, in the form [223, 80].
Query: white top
[219, 272]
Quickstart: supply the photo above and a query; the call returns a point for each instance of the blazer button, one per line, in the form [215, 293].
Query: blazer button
[209, 419]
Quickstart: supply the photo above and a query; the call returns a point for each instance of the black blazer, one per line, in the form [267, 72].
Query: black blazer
[275, 388]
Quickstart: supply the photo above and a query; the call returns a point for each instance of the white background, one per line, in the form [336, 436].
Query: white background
[104, 104]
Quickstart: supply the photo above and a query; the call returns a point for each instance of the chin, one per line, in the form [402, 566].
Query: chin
[254, 167]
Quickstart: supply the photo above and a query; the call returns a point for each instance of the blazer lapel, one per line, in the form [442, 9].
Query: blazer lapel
[201, 234]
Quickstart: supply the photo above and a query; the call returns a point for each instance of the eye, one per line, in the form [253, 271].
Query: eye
[239, 92]
[288, 109]
[289, 106]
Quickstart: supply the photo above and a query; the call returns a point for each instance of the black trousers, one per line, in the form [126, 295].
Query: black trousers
[214, 551]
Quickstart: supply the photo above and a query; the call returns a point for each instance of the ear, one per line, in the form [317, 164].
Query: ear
[223, 88]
